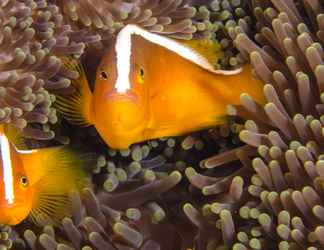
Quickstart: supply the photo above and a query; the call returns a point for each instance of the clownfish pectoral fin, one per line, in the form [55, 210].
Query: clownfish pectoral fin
[76, 107]
[65, 170]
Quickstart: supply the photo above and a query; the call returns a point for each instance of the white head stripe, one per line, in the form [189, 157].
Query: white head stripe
[7, 169]
[123, 54]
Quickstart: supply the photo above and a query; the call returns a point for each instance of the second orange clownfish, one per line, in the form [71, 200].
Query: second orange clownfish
[149, 86]
[37, 183]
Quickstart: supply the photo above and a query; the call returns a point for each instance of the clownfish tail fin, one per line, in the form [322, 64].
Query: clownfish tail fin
[65, 170]
[76, 107]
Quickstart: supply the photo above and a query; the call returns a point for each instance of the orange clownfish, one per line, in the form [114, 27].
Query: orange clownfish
[37, 183]
[149, 86]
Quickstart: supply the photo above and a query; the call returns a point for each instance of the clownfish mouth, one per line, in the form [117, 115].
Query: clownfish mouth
[16, 203]
[121, 96]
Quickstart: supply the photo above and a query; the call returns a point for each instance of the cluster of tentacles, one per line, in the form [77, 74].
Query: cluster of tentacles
[274, 201]
[262, 190]
[33, 38]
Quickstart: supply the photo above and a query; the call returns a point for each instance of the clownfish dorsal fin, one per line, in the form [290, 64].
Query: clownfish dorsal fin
[76, 106]
[206, 47]
[123, 49]
[65, 169]
[14, 136]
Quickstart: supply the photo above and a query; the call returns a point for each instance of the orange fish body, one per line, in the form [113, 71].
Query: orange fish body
[36, 183]
[167, 94]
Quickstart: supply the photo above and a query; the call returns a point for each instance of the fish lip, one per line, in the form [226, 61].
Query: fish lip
[115, 95]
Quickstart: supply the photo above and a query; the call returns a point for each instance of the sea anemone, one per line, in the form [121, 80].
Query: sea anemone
[105, 18]
[33, 41]
[264, 194]
[222, 17]
[129, 219]
[274, 199]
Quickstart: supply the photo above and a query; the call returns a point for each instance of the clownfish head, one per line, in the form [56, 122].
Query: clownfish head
[121, 95]
[15, 191]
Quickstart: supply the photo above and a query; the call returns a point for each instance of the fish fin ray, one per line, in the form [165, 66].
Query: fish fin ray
[51, 209]
[66, 170]
[76, 106]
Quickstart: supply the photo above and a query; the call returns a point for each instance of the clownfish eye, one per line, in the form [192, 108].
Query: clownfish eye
[140, 75]
[103, 75]
[141, 72]
[24, 181]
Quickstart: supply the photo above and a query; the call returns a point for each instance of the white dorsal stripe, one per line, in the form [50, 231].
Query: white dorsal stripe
[123, 48]
[26, 151]
[7, 169]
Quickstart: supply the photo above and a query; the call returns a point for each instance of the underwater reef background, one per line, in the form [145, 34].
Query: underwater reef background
[253, 183]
